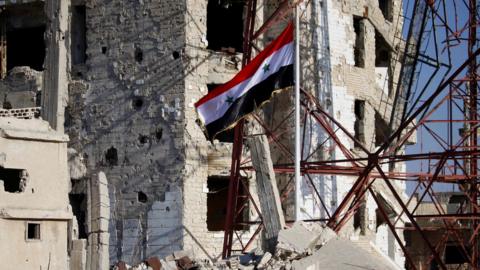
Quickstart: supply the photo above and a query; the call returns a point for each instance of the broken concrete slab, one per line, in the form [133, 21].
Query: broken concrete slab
[341, 254]
[295, 241]
[270, 204]
[168, 265]
[264, 261]
[325, 235]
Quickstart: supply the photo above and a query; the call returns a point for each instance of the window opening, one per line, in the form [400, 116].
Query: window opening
[14, 180]
[386, 8]
[359, 125]
[382, 51]
[383, 61]
[25, 35]
[79, 35]
[359, 46]
[216, 207]
[381, 130]
[33, 231]
[219, 14]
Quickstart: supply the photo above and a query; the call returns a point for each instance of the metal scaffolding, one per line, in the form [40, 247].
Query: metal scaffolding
[436, 99]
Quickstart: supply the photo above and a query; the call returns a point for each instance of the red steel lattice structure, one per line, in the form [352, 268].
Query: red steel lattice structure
[436, 96]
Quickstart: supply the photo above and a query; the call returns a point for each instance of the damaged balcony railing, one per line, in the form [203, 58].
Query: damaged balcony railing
[21, 113]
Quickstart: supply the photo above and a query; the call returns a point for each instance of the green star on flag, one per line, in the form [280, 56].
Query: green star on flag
[266, 67]
[229, 100]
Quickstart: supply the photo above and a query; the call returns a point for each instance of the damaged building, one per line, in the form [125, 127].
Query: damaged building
[102, 156]
[454, 251]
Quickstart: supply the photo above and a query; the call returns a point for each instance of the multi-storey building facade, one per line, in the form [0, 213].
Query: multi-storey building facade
[120, 79]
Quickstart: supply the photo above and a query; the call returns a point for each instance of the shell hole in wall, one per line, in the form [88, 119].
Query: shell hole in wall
[111, 156]
[104, 50]
[142, 197]
[159, 134]
[175, 55]
[137, 103]
[138, 55]
[142, 139]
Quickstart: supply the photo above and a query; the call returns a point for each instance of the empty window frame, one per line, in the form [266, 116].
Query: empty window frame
[32, 231]
[217, 207]
[23, 36]
[381, 130]
[359, 125]
[386, 6]
[359, 222]
[359, 46]
[383, 58]
[225, 25]
[14, 180]
[78, 38]
[383, 52]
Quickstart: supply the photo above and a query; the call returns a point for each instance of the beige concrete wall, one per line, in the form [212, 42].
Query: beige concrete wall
[50, 252]
[31, 145]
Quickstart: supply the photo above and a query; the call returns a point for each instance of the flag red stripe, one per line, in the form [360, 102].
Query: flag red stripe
[285, 37]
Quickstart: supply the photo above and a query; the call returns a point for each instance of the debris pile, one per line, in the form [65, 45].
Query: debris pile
[294, 243]
[179, 260]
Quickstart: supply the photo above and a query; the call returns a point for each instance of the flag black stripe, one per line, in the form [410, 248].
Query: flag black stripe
[255, 97]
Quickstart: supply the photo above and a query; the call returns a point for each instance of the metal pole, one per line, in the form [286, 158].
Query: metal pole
[298, 177]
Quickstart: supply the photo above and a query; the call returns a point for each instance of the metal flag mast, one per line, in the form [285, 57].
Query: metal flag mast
[298, 154]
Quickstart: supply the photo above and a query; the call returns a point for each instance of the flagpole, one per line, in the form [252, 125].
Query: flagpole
[298, 177]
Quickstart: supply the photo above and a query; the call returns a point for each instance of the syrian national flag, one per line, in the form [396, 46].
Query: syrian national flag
[254, 85]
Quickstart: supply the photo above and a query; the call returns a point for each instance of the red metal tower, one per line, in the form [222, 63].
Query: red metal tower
[436, 98]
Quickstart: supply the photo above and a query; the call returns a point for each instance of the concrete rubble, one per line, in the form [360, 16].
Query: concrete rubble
[302, 246]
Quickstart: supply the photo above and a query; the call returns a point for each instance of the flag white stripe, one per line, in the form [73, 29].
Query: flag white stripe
[217, 106]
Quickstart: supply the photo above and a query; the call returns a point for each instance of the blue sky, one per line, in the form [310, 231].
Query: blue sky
[435, 46]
